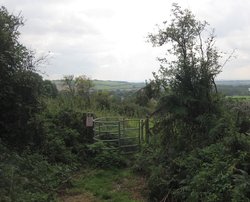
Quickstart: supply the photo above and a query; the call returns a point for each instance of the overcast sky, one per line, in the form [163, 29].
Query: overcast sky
[106, 39]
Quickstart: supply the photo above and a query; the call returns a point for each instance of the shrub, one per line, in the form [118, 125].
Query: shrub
[29, 176]
[218, 172]
[145, 160]
[101, 156]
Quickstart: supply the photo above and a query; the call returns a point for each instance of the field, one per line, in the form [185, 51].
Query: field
[109, 85]
[117, 85]
[233, 82]
[240, 97]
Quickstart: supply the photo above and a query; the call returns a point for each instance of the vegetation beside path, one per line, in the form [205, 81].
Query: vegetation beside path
[45, 140]
[96, 185]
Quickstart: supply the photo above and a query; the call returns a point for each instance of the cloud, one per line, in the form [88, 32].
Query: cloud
[107, 39]
[68, 26]
[99, 13]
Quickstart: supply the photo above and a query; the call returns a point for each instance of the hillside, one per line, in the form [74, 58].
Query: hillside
[109, 85]
[229, 87]
[233, 82]
[117, 85]
[234, 87]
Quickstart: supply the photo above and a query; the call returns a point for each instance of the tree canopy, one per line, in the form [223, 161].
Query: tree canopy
[187, 74]
[20, 85]
[199, 135]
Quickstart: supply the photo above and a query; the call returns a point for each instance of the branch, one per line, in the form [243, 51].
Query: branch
[201, 48]
[228, 58]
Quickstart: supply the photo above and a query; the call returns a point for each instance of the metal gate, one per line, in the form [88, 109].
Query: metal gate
[125, 135]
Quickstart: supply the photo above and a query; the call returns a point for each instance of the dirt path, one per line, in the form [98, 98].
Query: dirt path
[78, 198]
[98, 186]
[135, 188]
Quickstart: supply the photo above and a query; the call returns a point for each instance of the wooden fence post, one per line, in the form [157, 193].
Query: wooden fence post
[139, 131]
[119, 134]
[142, 130]
[147, 132]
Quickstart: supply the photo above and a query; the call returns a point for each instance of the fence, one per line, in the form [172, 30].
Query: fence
[123, 134]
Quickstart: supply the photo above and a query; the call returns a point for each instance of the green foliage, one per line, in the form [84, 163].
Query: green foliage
[240, 108]
[102, 156]
[58, 149]
[43, 137]
[29, 176]
[65, 136]
[190, 106]
[106, 185]
[102, 100]
[78, 86]
[234, 90]
[83, 86]
[148, 93]
[21, 106]
[129, 109]
[145, 160]
[20, 85]
[49, 89]
[218, 172]
[202, 157]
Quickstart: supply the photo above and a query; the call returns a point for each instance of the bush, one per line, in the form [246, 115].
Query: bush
[29, 176]
[61, 136]
[219, 172]
[145, 160]
[101, 156]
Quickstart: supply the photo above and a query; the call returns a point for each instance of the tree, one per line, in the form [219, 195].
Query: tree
[49, 89]
[103, 100]
[147, 93]
[69, 84]
[20, 85]
[83, 87]
[78, 88]
[187, 75]
[199, 136]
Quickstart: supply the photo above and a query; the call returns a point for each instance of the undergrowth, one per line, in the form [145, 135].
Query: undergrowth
[106, 185]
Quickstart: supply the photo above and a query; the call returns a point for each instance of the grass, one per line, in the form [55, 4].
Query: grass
[240, 97]
[108, 185]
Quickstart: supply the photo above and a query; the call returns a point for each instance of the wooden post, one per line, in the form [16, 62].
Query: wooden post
[147, 129]
[99, 129]
[123, 125]
[142, 130]
[119, 134]
[154, 136]
[139, 131]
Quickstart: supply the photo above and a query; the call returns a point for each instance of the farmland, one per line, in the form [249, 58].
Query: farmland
[109, 85]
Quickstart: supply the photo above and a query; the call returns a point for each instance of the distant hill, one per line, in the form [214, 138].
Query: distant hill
[233, 82]
[228, 87]
[109, 85]
[117, 85]
[234, 87]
